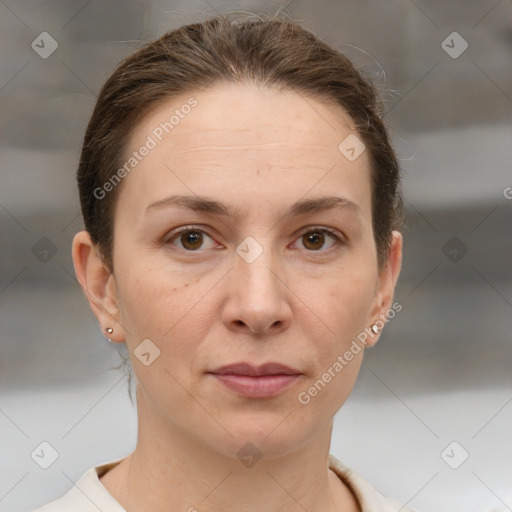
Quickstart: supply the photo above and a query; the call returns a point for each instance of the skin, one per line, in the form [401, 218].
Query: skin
[301, 302]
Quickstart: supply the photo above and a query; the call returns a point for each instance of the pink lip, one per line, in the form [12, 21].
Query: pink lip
[264, 381]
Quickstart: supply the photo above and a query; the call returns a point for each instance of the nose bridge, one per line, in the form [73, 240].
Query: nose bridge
[257, 297]
[254, 265]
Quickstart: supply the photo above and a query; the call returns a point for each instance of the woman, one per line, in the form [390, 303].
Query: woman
[241, 203]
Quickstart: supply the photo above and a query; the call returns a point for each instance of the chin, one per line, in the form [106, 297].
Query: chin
[269, 433]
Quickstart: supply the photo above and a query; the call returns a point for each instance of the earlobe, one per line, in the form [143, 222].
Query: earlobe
[98, 284]
[387, 281]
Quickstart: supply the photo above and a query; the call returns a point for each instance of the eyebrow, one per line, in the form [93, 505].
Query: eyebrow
[211, 206]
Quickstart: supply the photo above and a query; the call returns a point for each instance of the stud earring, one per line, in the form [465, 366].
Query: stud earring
[375, 329]
[110, 331]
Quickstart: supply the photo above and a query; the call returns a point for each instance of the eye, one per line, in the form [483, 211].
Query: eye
[314, 239]
[190, 239]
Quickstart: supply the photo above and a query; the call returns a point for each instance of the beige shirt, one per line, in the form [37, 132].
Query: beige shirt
[89, 494]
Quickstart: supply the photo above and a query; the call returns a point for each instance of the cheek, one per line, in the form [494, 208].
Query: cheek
[345, 309]
[352, 309]
[160, 304]
[346, 305]
[174, 312]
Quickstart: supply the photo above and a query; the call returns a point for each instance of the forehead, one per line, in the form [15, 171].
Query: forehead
[245, 113]
[233, 132]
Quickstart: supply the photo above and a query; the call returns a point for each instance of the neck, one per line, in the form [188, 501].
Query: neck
[170, 471]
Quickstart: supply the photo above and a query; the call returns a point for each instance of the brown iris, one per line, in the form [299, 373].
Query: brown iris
[191, 239]
[314, 238]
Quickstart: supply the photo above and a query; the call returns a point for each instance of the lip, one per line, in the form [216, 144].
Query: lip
[244, 368]
[264, 381]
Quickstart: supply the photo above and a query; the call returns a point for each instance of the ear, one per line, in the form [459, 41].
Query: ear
[388, 277]
[98, 285]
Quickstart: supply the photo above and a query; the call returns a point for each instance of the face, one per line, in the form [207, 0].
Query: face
[245, 236]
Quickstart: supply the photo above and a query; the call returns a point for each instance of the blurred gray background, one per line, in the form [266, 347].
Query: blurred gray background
[441, 372]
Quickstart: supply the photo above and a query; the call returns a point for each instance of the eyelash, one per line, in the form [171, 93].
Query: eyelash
[338, 240]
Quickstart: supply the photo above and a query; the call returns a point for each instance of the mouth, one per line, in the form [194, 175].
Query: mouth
[265, 381]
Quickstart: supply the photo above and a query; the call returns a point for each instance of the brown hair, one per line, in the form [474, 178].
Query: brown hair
[265, 51]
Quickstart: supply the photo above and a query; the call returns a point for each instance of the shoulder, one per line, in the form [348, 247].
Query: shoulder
[369, 498]
[87, 495]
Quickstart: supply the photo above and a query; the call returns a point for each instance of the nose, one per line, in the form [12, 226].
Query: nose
[257, 298]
